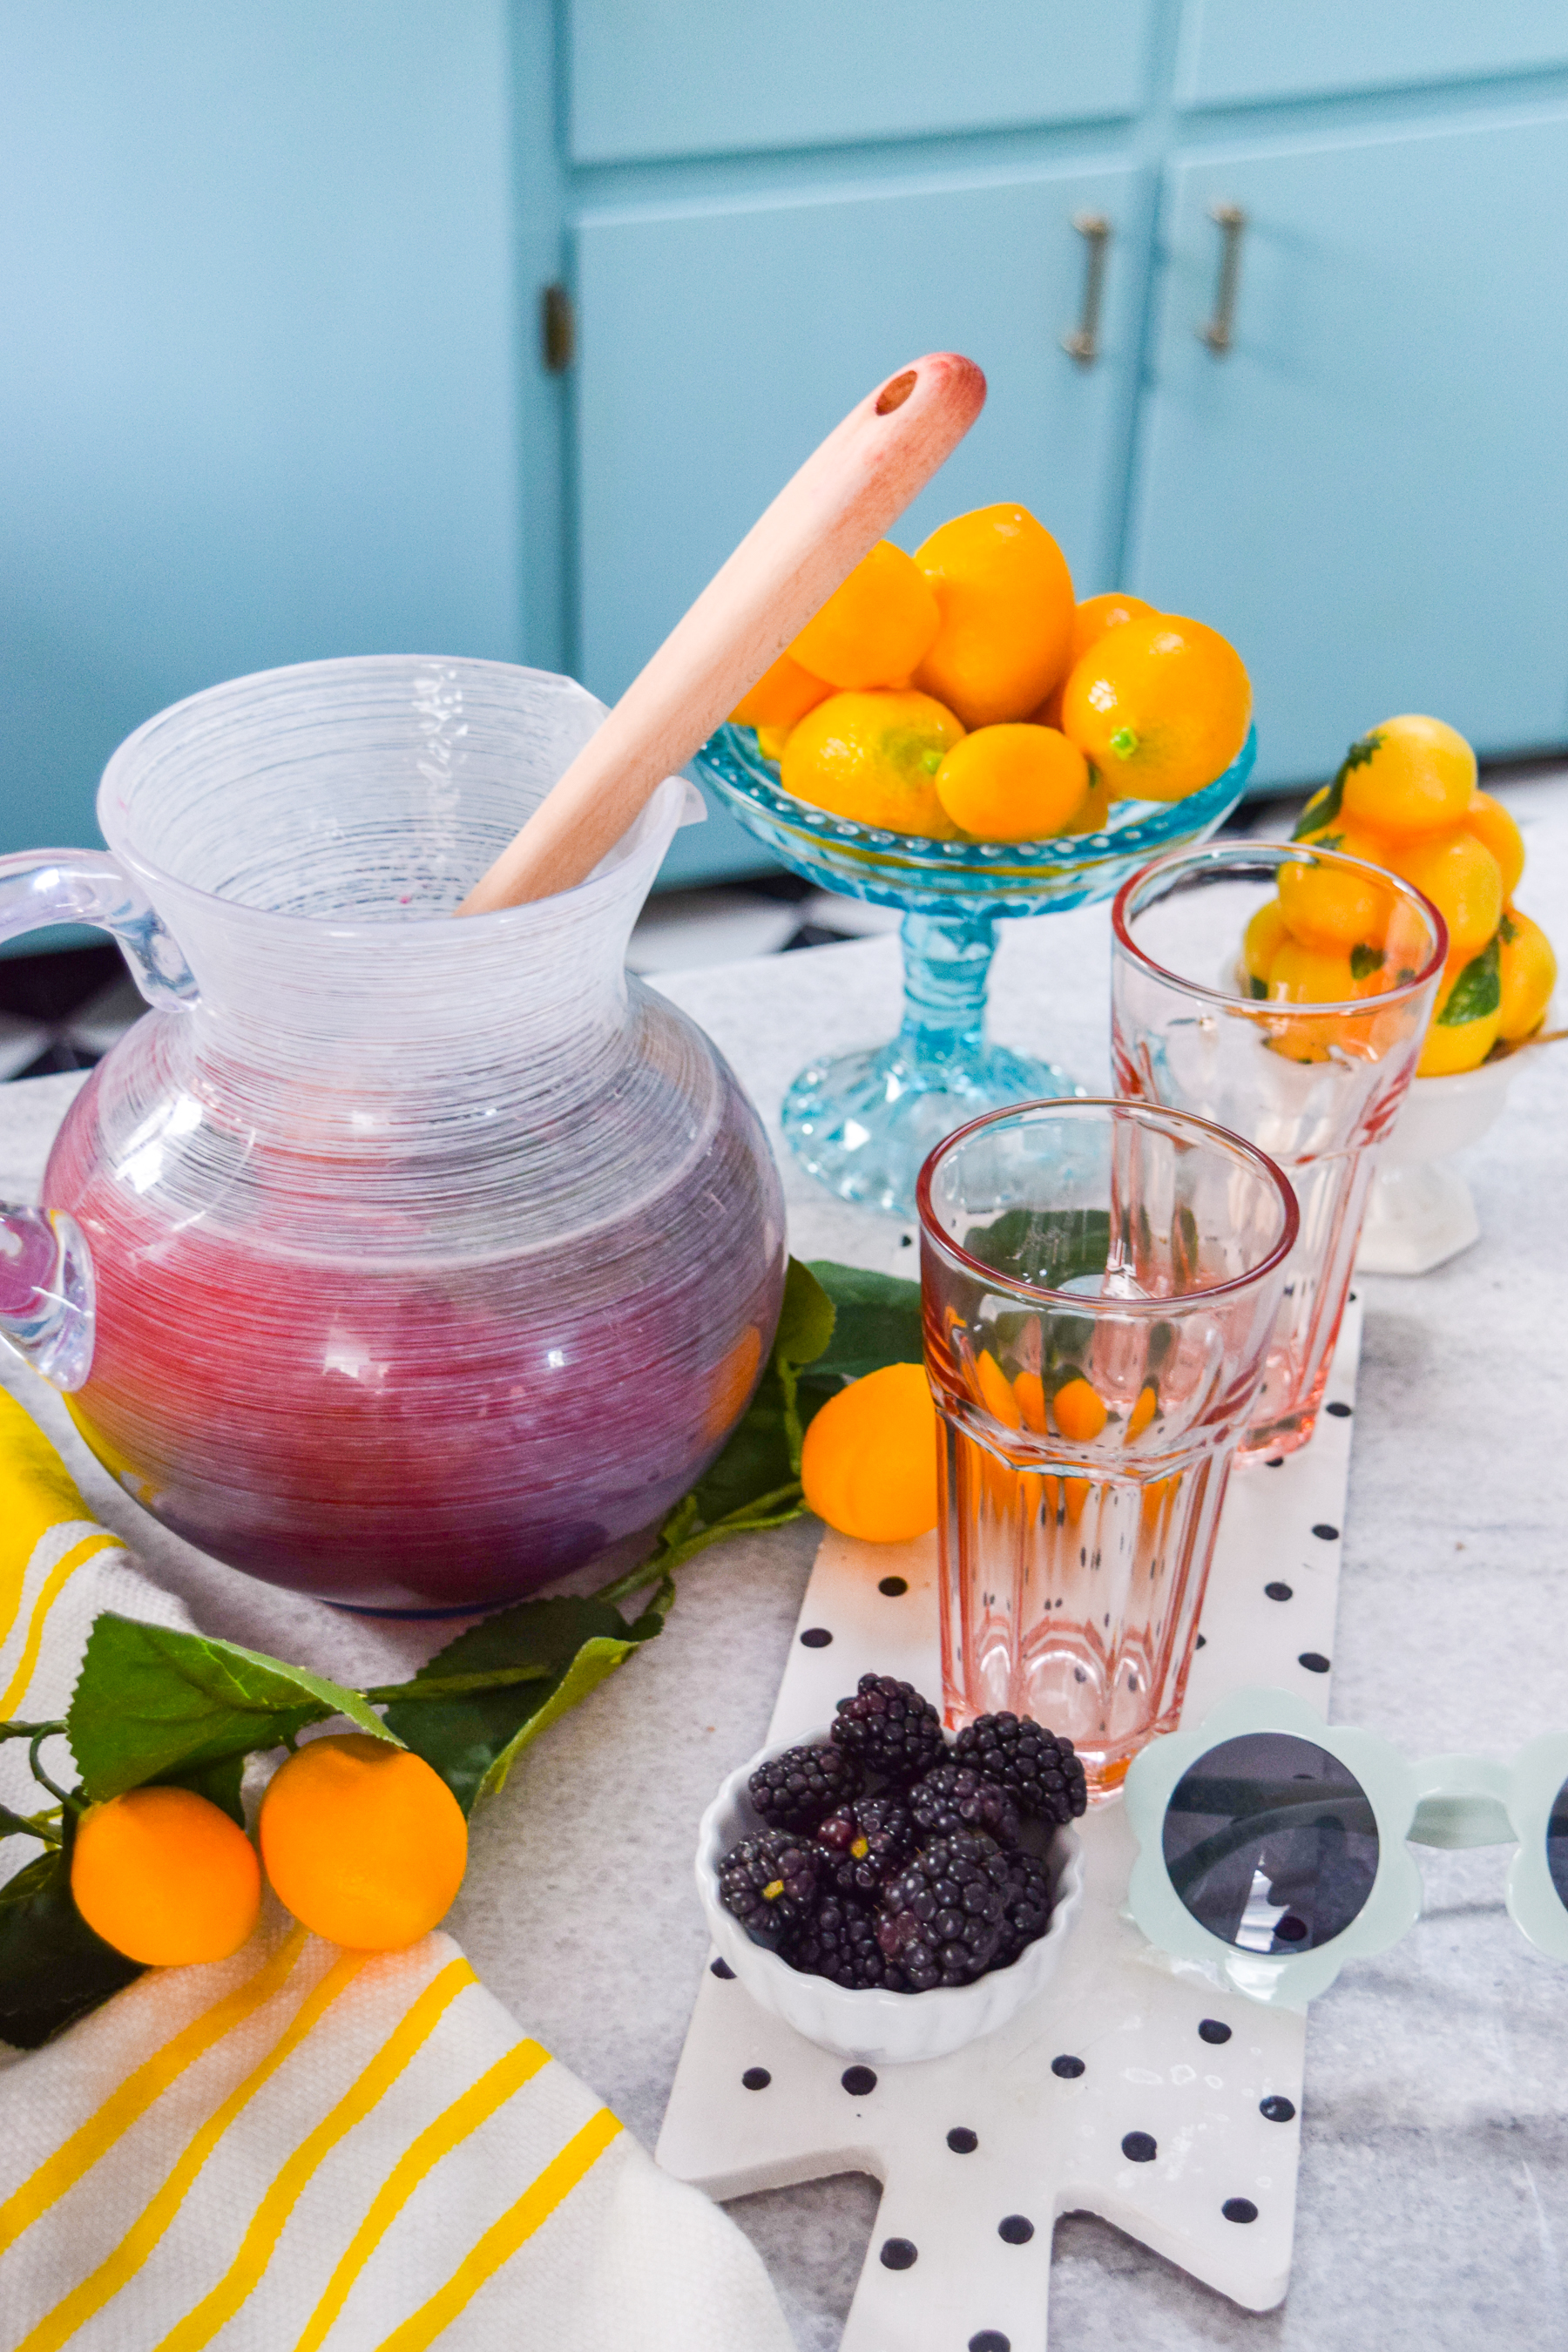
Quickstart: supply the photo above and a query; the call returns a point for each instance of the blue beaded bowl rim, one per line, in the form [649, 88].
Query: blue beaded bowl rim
[731, 761]
[947, 2016]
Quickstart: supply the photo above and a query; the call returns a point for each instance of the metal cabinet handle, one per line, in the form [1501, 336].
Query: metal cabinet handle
[1082, 341]
[1216, 332]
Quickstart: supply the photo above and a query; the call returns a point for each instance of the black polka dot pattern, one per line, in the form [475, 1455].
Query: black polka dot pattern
[1203, 1642]
[859, 2080]
[893, 1586]
[961, 2140]
[1276, 2109]
[1213, 2029]
[816, 1637]
[1139, 2147]
[1068, 2068]
[1279, 1591]
[1015, 2229]
[991, 2339]
[722, 1969]
[757, 2078]
[1324, 1533]
[1239, 2209]
[1341, 1412]
[899, 2253]
[1314, 1662]
[1275, 1462]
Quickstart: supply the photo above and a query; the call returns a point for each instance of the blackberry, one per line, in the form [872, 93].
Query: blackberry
[953, 1799]
[770, 1883]
[890, 1728]
[942, 1917]
[840, 1943]
[1021, 1755]
[794, 1791]
[864, 1843]
[1025, 1907]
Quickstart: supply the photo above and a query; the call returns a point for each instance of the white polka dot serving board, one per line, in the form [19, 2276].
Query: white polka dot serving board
[1133, 2087]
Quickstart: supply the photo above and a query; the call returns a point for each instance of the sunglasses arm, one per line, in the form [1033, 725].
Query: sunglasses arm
[1461, 1800]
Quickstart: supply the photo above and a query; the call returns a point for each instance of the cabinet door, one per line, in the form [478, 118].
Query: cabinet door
[1367, 491]
[727, 77]
[1234, 50]
[720, 343]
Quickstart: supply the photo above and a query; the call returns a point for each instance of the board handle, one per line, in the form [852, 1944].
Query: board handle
[967, 2282]
[826, 517]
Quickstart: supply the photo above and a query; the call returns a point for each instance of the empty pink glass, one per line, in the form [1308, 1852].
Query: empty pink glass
[1099, 1281]
[1316, 1086]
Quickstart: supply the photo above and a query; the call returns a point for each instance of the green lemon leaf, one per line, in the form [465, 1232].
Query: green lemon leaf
[150, 1700]
[876, 1321]
[1365, 960]
[218, 1783]
[1326, 804]
[473, 1737]
[806, 1316]
[1477, 991]
[1048, 1246]
[53, 1969]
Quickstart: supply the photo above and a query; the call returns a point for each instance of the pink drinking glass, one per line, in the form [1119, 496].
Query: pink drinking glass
[1100, 1283]
[1316, 1086]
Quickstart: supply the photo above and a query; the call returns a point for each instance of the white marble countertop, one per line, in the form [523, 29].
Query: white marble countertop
[1434, 2186]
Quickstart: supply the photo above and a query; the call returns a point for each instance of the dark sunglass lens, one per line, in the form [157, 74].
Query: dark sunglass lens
[1272, 1844]
[1557, 1844]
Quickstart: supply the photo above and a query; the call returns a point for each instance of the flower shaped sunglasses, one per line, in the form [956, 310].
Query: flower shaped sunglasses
[1274, 1844]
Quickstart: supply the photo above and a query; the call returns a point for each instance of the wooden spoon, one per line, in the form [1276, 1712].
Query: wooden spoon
[829, 515]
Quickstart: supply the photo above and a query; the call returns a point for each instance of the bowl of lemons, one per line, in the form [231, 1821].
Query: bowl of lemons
[1407, 797]
[955, 735]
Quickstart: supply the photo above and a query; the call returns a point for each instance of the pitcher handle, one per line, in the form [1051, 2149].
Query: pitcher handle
[87, 886]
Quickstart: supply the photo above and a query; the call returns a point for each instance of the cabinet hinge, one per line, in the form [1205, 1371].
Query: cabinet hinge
[557, 330]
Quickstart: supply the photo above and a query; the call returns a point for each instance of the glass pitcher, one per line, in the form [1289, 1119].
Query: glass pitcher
[403, 1261]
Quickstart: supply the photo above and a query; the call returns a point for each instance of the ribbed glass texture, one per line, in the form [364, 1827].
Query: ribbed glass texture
[1098, 1283]
[431, 1256]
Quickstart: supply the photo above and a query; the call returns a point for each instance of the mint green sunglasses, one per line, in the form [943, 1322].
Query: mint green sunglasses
[1275, 1845]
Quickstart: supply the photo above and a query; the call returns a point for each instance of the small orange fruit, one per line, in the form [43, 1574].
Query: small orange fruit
[1029, 1390]
[1004, 595]
[1462, 880]
[1094, 810]
[1094, 614]
[770, 741]
[874, 757]
[364, 1841]
[1308, 975]
[780, 696]
[1143, 1411]
[1409, 775]
[997, 1393]
[1078, 1411]
[1490, 823]
[165, 1877]
[1161, 706]
[1465, 1021]
[868, 1462]
[873, 628]
[1527, 974]
[1016, 783]
[1327, 905]
[1265, 935]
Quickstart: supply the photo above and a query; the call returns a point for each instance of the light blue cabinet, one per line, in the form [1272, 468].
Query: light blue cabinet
[720, 343]
[275, 389]
[1367, 492]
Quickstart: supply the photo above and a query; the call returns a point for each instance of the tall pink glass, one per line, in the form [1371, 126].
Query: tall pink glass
[1099, 1281]
[1316, 1086]
[414, 1261]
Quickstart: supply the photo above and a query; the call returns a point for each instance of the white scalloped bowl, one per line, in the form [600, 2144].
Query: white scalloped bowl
[883, 2028]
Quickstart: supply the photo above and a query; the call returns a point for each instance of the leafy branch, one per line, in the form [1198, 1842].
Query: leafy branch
[155, 1706]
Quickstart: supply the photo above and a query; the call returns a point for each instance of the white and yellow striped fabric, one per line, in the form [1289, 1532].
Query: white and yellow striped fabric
[303, 2147]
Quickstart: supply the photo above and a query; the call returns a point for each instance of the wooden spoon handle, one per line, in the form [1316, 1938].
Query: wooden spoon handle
[815, 531]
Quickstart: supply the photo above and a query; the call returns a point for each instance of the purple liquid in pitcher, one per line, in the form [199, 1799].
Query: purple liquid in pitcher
[388, 1427]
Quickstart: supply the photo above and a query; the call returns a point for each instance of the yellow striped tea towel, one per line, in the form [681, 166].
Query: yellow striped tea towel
[304, 2147]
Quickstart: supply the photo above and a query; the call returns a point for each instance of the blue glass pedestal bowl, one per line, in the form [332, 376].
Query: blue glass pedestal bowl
[862, 1123]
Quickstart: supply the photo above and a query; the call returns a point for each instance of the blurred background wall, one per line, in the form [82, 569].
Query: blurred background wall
[487, 327]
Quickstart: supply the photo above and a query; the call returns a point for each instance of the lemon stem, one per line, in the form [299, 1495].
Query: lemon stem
[69, 1802]
[1124, 742]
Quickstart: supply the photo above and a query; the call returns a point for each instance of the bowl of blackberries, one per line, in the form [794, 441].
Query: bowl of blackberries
[890, 1892]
